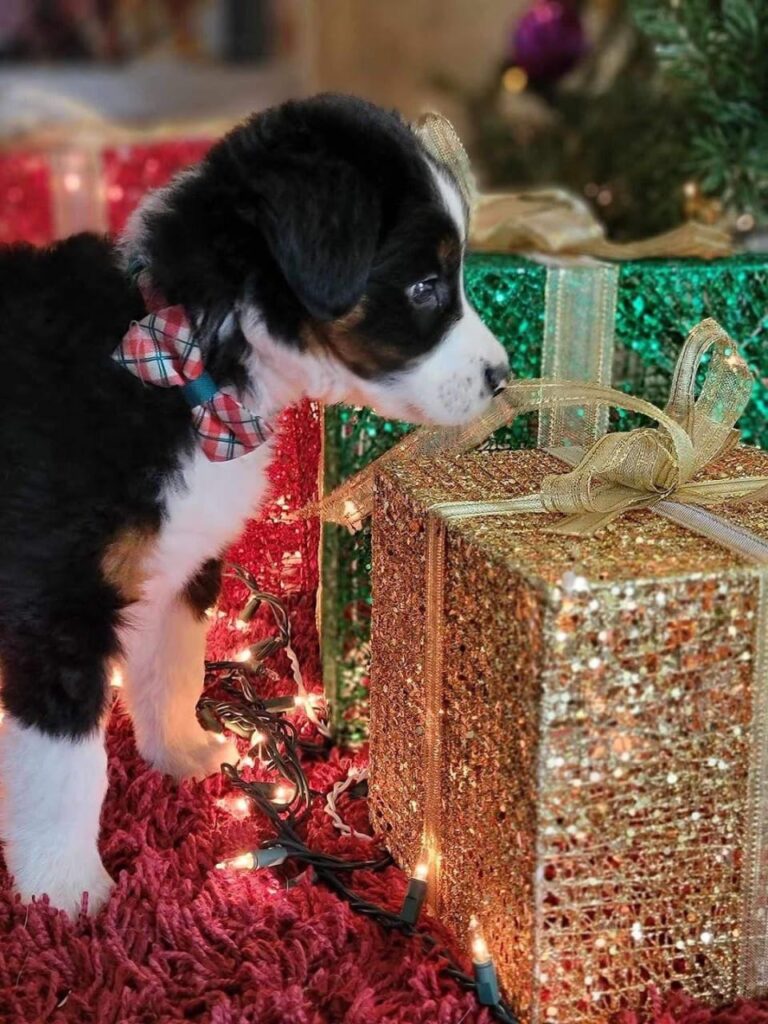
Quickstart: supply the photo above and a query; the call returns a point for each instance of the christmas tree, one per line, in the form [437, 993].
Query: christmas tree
[653, 111]
[712, 59]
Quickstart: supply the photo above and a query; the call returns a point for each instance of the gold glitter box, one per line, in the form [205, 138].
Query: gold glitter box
[587, 774]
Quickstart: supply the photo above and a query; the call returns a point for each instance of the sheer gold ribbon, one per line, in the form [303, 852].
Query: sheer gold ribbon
[553, 221]
[622, 470]
[638, 468]
[557, 222]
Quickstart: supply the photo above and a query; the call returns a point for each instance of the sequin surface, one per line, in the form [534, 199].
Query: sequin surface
[597, 735]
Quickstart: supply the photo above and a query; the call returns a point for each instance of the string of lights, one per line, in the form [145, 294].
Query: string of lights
[231, 703]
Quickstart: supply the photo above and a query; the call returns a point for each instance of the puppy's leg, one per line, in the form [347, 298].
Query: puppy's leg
[164, 671]
[53, 789]
[52, 757]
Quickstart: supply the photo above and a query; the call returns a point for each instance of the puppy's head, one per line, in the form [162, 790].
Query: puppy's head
[319, 247]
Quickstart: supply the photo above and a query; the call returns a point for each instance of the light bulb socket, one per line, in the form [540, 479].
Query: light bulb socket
[250, 609]
[269, 857]
[487, 984]
[239, 729]
[208, 720]
[415, 895]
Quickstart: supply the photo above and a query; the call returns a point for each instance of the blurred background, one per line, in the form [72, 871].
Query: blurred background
[652, 112]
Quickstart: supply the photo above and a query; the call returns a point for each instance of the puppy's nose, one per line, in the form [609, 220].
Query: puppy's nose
[496, 376]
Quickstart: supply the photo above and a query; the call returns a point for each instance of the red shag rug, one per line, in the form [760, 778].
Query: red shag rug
[181, 941]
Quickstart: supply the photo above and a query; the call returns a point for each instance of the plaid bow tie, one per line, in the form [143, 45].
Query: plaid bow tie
[160, 350]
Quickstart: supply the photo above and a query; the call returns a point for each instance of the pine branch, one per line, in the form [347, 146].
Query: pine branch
[711, 55]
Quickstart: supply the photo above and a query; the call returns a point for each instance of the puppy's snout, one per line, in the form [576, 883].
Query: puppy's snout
[495, 375]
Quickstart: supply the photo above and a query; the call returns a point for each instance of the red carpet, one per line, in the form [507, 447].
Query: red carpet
[181, 941]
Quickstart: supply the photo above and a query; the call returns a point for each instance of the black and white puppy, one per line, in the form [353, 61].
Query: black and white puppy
[317, 250]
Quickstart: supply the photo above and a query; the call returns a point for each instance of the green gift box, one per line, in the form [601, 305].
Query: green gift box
[620, 324]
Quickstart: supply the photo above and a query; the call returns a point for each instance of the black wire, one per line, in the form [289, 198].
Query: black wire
[325, 873]
[244, 713]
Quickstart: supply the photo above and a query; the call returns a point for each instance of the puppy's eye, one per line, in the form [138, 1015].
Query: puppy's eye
[424, 293]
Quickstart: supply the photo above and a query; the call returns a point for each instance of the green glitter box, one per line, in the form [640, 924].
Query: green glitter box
[656, 304]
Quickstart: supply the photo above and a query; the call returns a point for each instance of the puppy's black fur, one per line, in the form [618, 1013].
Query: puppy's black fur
[84, 449]
[306, 212]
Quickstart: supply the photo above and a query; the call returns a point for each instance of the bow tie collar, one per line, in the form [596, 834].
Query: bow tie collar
[161, 350]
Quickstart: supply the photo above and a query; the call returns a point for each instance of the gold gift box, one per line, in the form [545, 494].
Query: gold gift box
[587, 773]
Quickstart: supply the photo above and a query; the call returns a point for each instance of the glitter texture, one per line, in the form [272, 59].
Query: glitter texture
[658, 302]
[597, 735]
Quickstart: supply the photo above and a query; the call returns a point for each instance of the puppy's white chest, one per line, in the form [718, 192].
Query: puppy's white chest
[205, 510]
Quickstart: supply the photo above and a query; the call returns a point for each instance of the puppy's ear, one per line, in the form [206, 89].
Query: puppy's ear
[321, 224]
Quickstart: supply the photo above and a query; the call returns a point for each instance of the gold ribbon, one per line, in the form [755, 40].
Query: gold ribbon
[622, 470]
[553, 221]
[557, 222]
[638, 468]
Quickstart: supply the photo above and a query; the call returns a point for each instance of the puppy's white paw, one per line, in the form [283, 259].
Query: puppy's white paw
[200, 757]
[53, 788]
[62, 879]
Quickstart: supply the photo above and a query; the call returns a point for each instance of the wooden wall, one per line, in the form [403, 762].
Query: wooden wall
[388, 50]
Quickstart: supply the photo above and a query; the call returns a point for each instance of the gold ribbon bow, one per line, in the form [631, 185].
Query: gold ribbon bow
[622, 471]
[638, 468]
[553, 221]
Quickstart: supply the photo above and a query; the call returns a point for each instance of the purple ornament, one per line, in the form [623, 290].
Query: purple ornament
[548, 40]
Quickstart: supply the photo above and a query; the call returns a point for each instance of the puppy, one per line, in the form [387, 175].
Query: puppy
[316, 251]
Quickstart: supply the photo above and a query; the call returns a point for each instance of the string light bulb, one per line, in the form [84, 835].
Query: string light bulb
[487, 983]
[116, 680]
[268, 857]
[244, 655]
[416, 892]
[480, 954]
[283, 794]
[237, 805]
[257, 745]
[421, 871]
[243, 862]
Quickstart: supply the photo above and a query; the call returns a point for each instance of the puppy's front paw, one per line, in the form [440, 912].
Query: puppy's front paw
[197, 759]
[62, 879]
